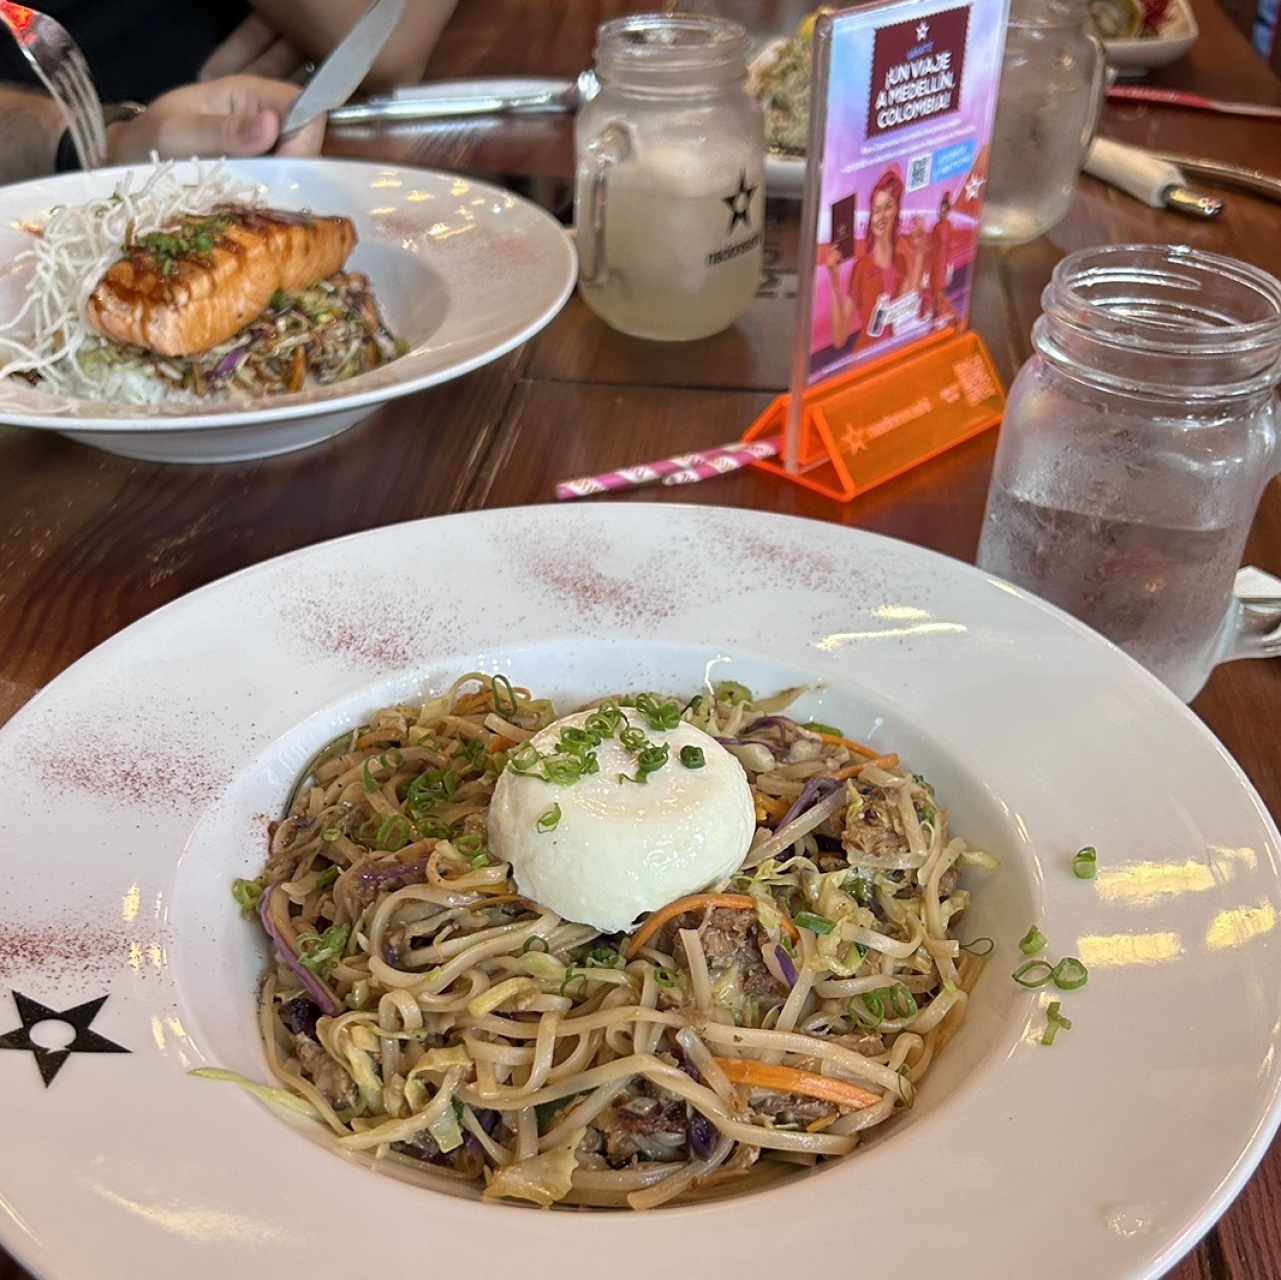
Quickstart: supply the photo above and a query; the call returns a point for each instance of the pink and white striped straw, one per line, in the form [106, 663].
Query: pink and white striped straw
[683, 468]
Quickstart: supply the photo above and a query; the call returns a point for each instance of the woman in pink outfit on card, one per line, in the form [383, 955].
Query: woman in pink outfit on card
[881, 272]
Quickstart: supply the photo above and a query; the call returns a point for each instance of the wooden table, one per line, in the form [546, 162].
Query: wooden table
[90, 542]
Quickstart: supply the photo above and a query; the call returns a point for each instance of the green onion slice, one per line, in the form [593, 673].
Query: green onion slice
[247, 893]
[1033, 974]
[903, 1002]
[1054, 1022]
[504, 696]
[1085, 863]
[1032, 942]
[1070, 974]
[816, 924]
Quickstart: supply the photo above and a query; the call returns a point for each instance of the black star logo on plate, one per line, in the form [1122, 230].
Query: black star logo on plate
[739, 203]
[80, 1018]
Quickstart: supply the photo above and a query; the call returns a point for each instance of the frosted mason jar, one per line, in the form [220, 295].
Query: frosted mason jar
[1052, 84]
[1137, 442]
[669, 199]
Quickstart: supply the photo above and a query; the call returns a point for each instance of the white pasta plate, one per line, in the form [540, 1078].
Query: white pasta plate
[139, 784]
[462, 271]
[1178, 33]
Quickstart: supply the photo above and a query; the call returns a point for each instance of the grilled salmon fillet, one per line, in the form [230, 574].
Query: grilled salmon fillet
[182, 291]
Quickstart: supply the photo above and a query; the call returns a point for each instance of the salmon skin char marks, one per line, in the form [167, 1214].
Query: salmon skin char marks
[180, 292]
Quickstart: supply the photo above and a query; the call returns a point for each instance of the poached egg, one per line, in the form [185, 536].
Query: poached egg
[622, 849]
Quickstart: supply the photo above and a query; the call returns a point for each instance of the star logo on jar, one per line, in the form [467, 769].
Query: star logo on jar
[922, 30]
[739, 203]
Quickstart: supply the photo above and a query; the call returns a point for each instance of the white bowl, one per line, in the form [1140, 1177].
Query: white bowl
[463, 271]
[1178, 34]
[135, 793]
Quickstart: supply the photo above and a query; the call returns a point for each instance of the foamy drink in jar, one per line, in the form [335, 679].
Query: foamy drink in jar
[670, 196]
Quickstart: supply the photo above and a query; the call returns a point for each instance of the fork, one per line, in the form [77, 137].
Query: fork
[56, 59]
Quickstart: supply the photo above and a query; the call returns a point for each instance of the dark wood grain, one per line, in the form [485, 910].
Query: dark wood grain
[89, 542]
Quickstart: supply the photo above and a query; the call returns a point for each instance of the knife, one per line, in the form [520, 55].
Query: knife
[484, 96]
[348, 64]
[1227, 175]
[1149, 178]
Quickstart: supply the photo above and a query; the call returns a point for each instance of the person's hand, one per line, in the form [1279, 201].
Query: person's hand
[829, 256]
[234, 116]
[254, 48]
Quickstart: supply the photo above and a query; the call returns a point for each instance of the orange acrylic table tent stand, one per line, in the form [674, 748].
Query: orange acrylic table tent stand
[880, 419]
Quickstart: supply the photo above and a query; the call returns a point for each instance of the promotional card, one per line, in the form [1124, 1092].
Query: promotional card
[904, 97]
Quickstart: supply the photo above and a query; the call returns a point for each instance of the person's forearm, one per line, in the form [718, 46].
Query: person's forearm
[31, 125]
[315, 26]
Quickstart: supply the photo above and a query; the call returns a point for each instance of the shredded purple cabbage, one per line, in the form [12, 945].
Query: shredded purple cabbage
[771, 722]
[489, 1120]
[311, 984]
[815, 790]
[229, 363]
[702, 1135]
[785, 963]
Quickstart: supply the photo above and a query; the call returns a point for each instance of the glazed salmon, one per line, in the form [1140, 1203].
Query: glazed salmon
[182, 291]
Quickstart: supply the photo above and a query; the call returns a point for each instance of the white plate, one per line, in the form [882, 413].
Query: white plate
[464, 272]
[139, 784]
[784, 175]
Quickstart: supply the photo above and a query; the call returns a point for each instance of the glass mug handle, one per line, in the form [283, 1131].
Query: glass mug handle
[608, 148]
[1099, 83]
[1253, 627]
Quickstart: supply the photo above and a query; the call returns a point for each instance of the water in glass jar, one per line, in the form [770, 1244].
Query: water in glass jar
[1160, 592]
[1036, 151]
[682, 245]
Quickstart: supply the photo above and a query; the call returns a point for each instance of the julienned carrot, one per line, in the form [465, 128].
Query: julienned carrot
[759, 1075]
[860, 748]
[695, 902]
[850, 770]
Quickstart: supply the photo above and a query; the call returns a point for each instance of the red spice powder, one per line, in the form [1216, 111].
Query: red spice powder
[366, 626]
[779, 562]
[653, 594]
[128, 772]
[60, 951]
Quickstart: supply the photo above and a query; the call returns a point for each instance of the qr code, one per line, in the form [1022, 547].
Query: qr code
[918, 172]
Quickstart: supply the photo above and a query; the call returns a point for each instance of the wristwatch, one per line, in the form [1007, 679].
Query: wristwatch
[67, 159]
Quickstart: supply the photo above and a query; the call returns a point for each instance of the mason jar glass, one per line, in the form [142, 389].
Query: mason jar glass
[669, 198]
[1136, 445]
[1052, 85]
